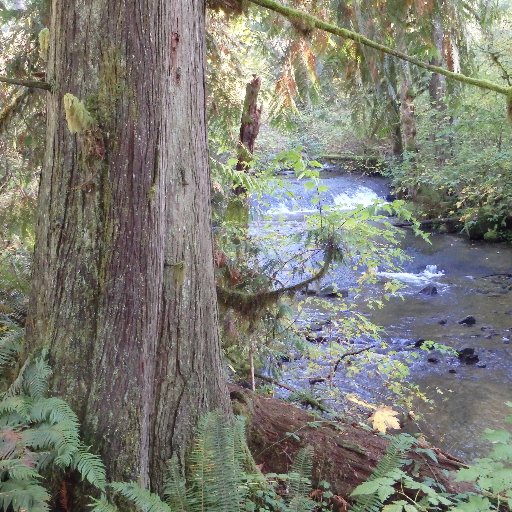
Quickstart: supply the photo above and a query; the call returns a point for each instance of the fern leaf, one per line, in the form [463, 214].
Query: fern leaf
[53, 437]
[197, 492]
[58, 429]
[301, 504]
[36, 377]
[16, 405]
[301, 473]
[242, 453]
[90, 466]
[10, 343]
[23, 495]
[225, 473]
[216, 476]
[16, 388]
[144, 500]
[175, 492]
[16, 469]
[370, 495]
[102, 505]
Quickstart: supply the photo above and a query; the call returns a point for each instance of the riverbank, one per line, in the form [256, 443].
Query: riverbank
[463, 399]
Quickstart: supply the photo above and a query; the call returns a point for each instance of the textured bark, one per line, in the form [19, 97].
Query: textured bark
[407, 116]
[249, 123]
[249, 128]
[123, 290]
[437, 84]
[438, 88]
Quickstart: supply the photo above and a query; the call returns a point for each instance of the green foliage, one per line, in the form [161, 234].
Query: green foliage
[491, 477]
[371, 495]
[37, 434]
[141, 498]
[11, 337]
[222, 477]
[300, 481]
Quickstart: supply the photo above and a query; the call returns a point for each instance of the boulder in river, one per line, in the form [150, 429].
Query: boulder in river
[419, 343]
[467, 355]
[429, 290]
[468, 320]
[332, 291]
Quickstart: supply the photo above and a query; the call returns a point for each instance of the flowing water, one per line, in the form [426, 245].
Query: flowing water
[470, 278]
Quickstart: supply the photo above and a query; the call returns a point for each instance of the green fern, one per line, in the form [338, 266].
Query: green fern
[175, 490]
[144, 500]
[23, 495]
[299, 479]
[102, 505]
[216, 469]
[371, 495]
[90, 466]
[38, 433]
[10, 343]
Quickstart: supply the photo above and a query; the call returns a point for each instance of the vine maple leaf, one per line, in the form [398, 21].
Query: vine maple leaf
[383, 418]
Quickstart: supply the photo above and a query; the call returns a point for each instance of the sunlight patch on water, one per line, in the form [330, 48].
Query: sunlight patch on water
[355, 198]
[362, 196]
[429, 275]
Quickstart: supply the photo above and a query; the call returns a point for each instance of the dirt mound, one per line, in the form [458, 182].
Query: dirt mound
[345, 454]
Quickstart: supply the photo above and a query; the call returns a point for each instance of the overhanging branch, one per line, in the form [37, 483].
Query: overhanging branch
[32, 84]
[314, 22]
[247, 303]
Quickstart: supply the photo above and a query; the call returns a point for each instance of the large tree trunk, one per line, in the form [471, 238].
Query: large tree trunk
[123, 290]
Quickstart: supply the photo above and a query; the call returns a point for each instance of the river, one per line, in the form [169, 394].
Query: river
[470, 278]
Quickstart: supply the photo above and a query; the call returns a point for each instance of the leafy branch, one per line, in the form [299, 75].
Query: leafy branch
[313, 22]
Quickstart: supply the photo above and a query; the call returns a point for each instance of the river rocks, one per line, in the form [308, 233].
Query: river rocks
[316, 326]
[467, 355]
[489, 332]
[314, 337]
[429, 290]
[332, 291]
[468, 320]
[443, 321]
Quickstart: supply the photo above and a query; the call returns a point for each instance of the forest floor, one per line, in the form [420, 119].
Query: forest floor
[344, 453]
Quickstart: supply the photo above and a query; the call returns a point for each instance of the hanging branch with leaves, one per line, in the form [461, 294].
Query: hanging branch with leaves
[295, 15]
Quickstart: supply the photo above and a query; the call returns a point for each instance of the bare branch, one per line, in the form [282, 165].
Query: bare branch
[33, 84]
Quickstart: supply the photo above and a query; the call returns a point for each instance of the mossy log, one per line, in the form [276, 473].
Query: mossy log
[345, 454]
[372, 164]
[429, 223]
